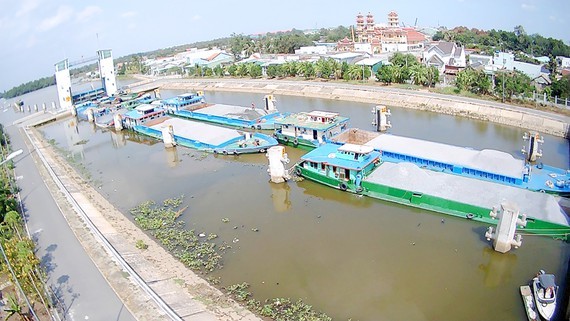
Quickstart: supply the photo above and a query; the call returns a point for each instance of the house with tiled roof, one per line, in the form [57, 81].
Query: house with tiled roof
[415, 39]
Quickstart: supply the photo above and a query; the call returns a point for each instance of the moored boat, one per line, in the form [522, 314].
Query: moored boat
[488, 165]
[182, 101]
[230, 115]
[544, 289]
[151, 120]
[360, 169]
[309, 129]
[529, 304]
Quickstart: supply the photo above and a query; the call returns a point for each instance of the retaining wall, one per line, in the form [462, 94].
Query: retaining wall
[530, 119]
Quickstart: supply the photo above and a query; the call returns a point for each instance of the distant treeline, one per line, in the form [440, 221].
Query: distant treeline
[29, 87]
[515, 41]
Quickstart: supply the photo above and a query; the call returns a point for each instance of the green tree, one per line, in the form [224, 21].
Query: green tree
[254, 70]
[552, 65]
[475, 81]
[323, 68]
[561, 88]
[290, 68]
[242, 70]
[515, 83]
[232, 70]
[432, 76]
[218, 71]
[336, 68]
[419, 74]
[306, 69]
[385, 74]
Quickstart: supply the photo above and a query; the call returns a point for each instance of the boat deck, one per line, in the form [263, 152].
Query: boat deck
[202, 132]
[229, 111]
[481, 193]
[302, 120]
[490, 161]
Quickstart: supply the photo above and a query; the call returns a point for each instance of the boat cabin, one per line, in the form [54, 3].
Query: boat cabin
[340, 166]
[142, 114]
[312, 128]
[175, 103]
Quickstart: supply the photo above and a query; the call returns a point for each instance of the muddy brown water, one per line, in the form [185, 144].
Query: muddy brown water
[346, 255]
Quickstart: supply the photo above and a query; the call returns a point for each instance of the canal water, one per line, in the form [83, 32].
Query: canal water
[348, 256]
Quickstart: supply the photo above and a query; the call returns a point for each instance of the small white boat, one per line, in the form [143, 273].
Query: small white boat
[545, 290]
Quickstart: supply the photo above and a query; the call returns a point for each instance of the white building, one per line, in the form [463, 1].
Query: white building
[443, 54]
[310, 50]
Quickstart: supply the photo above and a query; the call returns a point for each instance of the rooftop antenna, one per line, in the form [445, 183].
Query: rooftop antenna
[416, 23]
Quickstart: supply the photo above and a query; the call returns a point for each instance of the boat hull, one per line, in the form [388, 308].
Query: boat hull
[546, 310]
[429, 202]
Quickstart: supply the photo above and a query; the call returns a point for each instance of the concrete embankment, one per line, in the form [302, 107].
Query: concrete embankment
[531, 119]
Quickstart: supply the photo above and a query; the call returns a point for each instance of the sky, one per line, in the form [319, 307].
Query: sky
[36, 34]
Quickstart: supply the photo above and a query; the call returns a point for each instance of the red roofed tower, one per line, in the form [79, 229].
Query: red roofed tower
[359, 26]
[393, 20]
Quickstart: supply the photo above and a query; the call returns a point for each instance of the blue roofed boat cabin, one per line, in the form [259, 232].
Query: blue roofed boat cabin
[341, 167]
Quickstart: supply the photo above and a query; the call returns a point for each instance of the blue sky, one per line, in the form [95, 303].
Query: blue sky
[35, 34]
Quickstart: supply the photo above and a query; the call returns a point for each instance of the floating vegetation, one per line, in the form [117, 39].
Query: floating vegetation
[161, 222]
[203, 256]
[141, 245]
[225, 220]
[277, 309]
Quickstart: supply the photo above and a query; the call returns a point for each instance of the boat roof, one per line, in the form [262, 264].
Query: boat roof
[139, 111]
[232, 111]
[302, 120]
[327, 154]
[202, 132]
[547, 280]
[188, 95]
[361, 149]
[488, 160]
[145, 108]
[467, 190]
[325, 114]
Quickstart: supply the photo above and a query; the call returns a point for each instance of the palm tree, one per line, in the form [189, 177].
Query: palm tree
[419, 74]
[323, 68]
[432, 76]
[306, 69]
[354, 72]
[336, 68]
[241, 70]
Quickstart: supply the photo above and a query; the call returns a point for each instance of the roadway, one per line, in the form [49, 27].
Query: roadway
[82, 291]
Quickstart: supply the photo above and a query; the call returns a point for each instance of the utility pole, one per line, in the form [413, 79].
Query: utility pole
[504, 62]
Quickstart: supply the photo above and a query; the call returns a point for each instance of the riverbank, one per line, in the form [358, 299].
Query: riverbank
[530, 119]
[168, 285]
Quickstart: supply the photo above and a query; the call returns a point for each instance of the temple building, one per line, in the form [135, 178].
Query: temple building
[382, 38]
